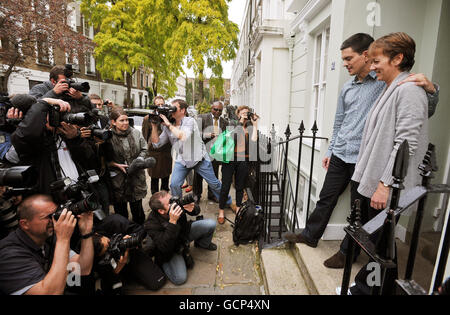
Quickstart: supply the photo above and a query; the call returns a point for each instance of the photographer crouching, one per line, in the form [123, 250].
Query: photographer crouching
[120, 254]
[172, 233]
[36, 257]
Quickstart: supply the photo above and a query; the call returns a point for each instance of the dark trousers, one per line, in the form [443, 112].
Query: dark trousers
[141, 268]
[136, 210]
[240, 171]
[154, 184]
[336, 181]
[198, 181]
[102, 193]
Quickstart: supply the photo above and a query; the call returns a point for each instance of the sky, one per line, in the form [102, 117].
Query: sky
[235, 14]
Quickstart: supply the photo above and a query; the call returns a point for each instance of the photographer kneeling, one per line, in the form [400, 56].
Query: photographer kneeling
[118, 252]
[171, 232]
[28, 265]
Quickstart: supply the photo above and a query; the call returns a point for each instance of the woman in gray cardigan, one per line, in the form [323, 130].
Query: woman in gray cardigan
[124, 147]
[400, 113]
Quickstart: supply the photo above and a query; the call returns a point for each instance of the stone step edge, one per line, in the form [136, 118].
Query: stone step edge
[304, 270]
[263, 268]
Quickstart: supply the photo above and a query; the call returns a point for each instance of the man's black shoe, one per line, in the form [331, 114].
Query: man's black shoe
[210, 247]
[189, 261]
[298, 238]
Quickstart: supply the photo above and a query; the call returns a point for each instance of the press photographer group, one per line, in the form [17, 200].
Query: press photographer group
[68, 157]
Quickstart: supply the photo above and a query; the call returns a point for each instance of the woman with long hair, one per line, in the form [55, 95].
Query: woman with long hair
[245, 135]
[124, 147]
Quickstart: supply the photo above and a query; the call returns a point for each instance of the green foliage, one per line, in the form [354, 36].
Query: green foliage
[203, 107]
[161, 35]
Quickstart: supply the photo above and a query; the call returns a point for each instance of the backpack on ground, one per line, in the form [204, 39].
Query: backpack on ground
[249, 222]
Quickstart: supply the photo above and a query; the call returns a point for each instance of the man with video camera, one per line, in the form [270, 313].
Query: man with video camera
[172, 233]
[122, 250]
[36, 257]
[61, 86]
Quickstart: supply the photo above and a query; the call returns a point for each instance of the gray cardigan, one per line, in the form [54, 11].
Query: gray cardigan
[401, 112]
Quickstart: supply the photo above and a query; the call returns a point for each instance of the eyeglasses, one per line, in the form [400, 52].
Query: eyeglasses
[217, 110]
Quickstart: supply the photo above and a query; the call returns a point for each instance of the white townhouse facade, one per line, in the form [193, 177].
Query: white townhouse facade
[289, 69]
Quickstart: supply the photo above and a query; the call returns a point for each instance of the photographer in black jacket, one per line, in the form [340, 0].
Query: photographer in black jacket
[54, 152]
[134, 262]
[172, 233]
[58, 87]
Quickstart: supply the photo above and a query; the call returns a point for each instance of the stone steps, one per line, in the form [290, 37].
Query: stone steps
[299, 269]
[281, 273]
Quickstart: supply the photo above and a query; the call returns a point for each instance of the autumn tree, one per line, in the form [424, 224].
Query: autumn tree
[161, 35]
[29, 24]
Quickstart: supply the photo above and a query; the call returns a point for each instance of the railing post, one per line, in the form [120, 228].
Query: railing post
[283, 183]
[301, 130]
[314, 130]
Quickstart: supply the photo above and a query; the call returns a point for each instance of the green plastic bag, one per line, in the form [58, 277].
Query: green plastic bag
[223, 149]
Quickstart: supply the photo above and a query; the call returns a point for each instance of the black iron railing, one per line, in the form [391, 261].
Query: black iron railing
[278, 191]
[381, 249]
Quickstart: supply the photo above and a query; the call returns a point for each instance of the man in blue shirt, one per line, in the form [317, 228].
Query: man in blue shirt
[357, 97]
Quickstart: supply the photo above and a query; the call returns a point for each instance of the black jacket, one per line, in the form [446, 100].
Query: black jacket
[169, 239]
[36, 146]
[45, 90]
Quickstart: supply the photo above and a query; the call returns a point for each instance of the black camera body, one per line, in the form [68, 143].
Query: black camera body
[76, 196]
[165, 110]
[103, 134]
[183, 201]
[21, 181]
[56, 117]
[118, 246]
[79, 86]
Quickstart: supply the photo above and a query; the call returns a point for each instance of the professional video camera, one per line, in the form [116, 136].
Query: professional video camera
[118, 246]
[55, 117]
[76, 196]
[183, 201]
[79, 86]
[166, 110]
[20, 181]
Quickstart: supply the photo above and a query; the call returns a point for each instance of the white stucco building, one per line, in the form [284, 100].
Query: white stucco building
[289, 69]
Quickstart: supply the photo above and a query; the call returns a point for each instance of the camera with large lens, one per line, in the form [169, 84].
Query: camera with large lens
[118, 245]
[165, 110]
[56, 117]
[79, 86]
[103, 134]
[76, 196]
[188, 199]
[20, 181]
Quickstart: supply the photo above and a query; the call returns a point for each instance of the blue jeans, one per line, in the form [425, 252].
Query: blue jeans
[204, 169]
[201, 233]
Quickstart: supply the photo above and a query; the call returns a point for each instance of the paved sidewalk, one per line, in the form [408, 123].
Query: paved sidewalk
[230, 270]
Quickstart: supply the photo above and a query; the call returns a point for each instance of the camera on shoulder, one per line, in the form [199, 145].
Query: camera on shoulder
[165, 110]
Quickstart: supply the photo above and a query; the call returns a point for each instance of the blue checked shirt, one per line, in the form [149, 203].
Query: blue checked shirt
[355, 102]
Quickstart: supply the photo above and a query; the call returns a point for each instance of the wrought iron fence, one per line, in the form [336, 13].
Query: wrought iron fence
[277, 191]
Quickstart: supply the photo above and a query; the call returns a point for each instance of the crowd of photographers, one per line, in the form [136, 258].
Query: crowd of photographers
[67, 156]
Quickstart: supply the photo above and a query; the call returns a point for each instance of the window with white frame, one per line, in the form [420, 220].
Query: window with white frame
[319, 86]
[90, 66]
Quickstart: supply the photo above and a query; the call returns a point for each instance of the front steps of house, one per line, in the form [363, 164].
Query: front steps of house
[298, 269]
